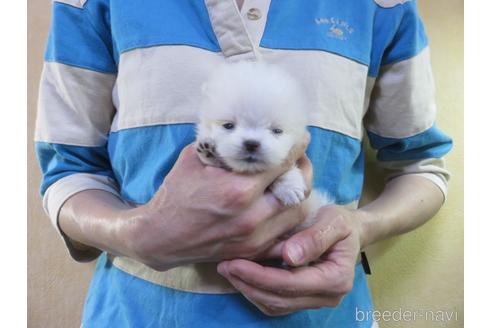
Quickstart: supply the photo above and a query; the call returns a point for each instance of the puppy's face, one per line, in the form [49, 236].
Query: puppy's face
[247, 147]
[253, 115]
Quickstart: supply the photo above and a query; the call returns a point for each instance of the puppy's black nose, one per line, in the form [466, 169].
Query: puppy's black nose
[251, 145]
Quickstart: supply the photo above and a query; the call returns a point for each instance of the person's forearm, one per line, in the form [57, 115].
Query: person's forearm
[225, 214]
[406, 203]
[98, 219]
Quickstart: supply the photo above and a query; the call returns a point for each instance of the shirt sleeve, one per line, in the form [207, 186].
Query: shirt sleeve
[75, 108]
[401, 113]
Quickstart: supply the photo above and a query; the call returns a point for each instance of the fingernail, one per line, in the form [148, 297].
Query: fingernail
[295, 253]
[221, 269]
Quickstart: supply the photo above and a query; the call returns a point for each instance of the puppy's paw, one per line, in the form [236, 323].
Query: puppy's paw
[289, 196]
[206, 148]
[290, 188]
[206, 151]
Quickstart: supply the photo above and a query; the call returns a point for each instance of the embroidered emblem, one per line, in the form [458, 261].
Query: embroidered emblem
[337, 28]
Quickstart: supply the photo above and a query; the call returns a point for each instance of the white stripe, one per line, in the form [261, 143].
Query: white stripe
[334, 87]
[198, 278]
[402, 103]
[74, 106]
[150, 91]
[433, 169]
[56, 195]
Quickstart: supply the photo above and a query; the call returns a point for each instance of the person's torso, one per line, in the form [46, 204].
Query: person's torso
[165, 50]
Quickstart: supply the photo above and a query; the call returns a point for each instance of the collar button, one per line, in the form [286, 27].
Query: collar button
[253, 14]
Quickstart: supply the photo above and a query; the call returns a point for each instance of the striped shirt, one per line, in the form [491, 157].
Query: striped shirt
[118, 98]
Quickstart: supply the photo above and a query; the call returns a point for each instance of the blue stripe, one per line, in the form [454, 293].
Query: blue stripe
[78, 40]
[306, 25]
[398, 35]
[141, 158]
[432, 143]
[117, 299]
[410, 39]
[140, 24]
[58, 161]
[338, 164]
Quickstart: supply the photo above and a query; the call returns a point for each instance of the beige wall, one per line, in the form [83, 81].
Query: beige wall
[421, 270]
[56, 285]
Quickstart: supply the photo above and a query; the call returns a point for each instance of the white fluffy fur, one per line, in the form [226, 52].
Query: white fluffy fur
[256, 99]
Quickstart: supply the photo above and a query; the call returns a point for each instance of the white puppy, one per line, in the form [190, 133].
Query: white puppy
[251, 116]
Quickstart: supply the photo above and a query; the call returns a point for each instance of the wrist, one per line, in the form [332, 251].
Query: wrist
[130, 231]
[143, 238]
[114, 228]
[366, 221]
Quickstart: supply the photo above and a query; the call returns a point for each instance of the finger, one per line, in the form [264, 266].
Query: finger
[263, 208]
[295, 282]
[309, 244]
[274, 304]
[274, 252]
[249, 221]
[266, 220]
[282, 223]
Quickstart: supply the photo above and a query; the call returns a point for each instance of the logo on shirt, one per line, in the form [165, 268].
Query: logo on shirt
[337, 28]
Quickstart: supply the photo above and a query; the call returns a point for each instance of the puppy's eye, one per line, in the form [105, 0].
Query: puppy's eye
[277, 131]
[228, 126]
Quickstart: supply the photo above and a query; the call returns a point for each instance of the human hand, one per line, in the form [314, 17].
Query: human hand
[203, 213]
[332, 244]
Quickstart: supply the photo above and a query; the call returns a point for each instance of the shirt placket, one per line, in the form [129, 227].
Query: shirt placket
[238, 31]
[254, 14]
